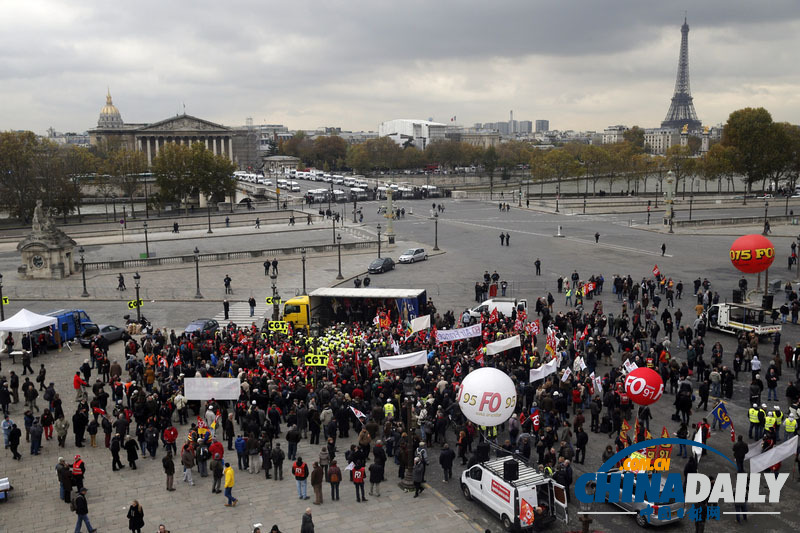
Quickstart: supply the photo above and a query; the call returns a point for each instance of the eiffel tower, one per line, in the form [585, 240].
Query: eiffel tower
[681, 110]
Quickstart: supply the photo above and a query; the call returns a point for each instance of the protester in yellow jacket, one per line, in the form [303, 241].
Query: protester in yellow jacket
[229, 481]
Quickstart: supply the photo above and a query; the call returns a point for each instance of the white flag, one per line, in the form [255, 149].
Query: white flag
[567, 374]
[420, 323]
[754, 449]
[698, 437]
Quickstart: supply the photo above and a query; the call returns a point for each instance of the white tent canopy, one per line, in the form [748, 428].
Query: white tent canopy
[27, 321]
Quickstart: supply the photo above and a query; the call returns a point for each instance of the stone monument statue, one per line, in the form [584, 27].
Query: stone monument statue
[46, 251]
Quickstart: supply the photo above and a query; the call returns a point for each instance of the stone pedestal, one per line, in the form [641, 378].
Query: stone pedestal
[46, 251]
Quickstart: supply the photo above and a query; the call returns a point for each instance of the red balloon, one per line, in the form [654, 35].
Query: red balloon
[644, 386]
[752, 253]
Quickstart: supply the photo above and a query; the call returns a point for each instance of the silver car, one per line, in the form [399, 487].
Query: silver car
[412, 255]
[641, 520]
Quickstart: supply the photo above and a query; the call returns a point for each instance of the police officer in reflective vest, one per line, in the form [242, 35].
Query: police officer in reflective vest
[779, 416]
[490, 432]
[753, 417]
[769, 421]
[762, 418]
[790, 427]
[388, 409]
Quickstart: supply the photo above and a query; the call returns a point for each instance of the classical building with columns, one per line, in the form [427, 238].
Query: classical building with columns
[150, 138]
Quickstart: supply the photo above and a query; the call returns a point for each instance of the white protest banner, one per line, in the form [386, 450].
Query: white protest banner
[598, 385]
[754, 449]
[447, 335]
[503, 345]
[208, 388]
[697, 450]
[404, 360]
[582, 364]
[420, 323]
[543, 371]
[567, 374]
[777, 454]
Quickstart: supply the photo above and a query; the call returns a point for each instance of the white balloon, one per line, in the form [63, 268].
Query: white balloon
[487, 397]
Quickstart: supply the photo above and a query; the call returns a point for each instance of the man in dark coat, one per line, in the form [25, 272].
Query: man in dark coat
[446, 458]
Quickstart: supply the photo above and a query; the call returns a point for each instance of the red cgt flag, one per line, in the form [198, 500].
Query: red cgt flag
[525, 513]
[656, 271]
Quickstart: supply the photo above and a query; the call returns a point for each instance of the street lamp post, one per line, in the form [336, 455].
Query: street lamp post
[274, 278]
[197, 272]
[691, 200]
[303, 258]
[766, 222]
[85, 293]
[208, 206]
[355, 208]
[2, 305]
[436, 232]
[558, 194]
[786, 209]
[339, 249]
[146, 242]
[584, 203]
[379, 240]
[136, 279]
[114, 205]
[333, 229]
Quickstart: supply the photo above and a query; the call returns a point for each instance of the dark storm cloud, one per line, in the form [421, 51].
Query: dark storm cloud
[355, 63]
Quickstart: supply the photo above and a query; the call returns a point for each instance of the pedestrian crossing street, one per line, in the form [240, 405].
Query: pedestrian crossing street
[239, 313]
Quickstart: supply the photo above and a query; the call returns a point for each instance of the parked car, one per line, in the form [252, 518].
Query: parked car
[412, 255]
[202, 325]
[382, 264]
[109, 332]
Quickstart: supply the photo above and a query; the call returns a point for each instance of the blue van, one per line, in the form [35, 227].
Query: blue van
[71, 324]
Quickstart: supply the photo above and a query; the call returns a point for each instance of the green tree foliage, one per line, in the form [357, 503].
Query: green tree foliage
[750, 133]
[328, 149]
[182, 171]
[680, 162]
[635, 136]
[125, 167]
[490, 160]
[560, 164]
[32, 169]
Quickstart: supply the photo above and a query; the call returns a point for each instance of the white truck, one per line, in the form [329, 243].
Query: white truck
[505, 495]
[502, 304]
[736, 318]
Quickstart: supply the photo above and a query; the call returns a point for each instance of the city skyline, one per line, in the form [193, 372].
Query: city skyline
[583, 67]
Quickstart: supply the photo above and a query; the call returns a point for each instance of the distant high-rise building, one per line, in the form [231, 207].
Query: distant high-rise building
[681, 111]
[542, 126]
[502, 127]
[525, 126]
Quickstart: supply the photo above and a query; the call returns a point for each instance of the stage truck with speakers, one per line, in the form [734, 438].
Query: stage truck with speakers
[518, 494]
[739, 317]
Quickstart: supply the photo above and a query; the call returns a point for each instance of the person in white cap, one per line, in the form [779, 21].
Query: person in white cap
[790, 427]
[752, 415]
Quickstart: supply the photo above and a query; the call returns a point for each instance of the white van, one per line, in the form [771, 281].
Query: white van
[503, 495]
[503, 305]
[294, 186]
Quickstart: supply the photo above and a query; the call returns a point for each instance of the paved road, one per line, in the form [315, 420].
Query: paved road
[468, 235]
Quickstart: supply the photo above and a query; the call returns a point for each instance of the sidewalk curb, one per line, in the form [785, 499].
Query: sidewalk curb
[464, 516]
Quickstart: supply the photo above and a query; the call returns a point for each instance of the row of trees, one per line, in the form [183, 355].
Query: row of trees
[753, 146]
[34, 168]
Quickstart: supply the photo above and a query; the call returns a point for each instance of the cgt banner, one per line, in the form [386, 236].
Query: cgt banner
[447, 335]
[403, 361]
[208, 388]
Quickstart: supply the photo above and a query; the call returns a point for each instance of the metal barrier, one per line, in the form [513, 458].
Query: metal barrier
[224, 256]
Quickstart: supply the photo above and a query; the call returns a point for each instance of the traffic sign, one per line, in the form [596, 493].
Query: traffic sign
[273, 301]
[133, 304]
[5, 300]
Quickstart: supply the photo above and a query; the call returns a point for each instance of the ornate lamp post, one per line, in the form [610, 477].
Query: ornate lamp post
[136, 279]
[274, 278]
[146, 242]
[379, 240]
[208, 206]
[558, 194]
[197, 271]
[339, 248]
[407, 483]
[303, 259]
[2, 305]
[85, 293]
[436, 231]
[766, 212]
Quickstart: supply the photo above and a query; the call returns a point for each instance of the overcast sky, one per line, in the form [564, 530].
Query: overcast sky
[582, 64]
